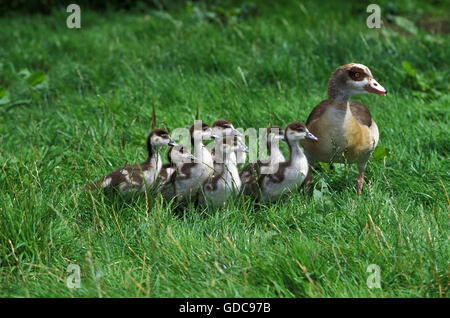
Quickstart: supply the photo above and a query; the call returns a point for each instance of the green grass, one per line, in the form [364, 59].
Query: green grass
[92, 112]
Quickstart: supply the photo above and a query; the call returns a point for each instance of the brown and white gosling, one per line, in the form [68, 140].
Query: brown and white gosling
[222, 127]
[189, 177]
[271, 136]
[225, 181]
[176, 156]
[291, 173]
[140, 177]
[346, 131]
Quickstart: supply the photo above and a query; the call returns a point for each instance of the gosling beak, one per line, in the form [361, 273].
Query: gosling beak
[311, 136]
[172, 143]
[374, 87]
[237, 133]
[188, 158]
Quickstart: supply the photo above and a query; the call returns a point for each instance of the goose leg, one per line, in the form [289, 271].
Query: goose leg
[360, 179]
[360, 182]
[308, 179]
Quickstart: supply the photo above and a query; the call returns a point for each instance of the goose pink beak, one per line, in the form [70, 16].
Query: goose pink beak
[374, 87]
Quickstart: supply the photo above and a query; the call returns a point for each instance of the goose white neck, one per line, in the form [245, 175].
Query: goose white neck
[153, 154]
[198, 149]
[231, 158]
[231, 171]
[296, 151]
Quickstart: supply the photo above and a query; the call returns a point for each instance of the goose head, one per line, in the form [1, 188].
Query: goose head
[351, 79]
[298, 131]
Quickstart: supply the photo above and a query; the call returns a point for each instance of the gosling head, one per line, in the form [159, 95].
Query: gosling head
[298, 131]
[179, 154]
[223, 127]
[229, 145]
[273, 134]
[201, 131]
[159, 137]
[351, 79]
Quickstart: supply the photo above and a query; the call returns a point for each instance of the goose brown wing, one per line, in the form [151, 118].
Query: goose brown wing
[361, 113]
[317, 111]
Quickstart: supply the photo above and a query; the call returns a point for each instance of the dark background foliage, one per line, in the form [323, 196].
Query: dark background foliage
[47, 6]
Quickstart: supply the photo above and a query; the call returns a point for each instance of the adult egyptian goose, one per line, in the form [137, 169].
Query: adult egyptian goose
[189, 177]
[271, 137]
[290, 174]
[138, 178]
[345, 129]
[225, 181]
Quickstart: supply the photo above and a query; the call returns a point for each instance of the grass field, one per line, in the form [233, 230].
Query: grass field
[77, 103]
